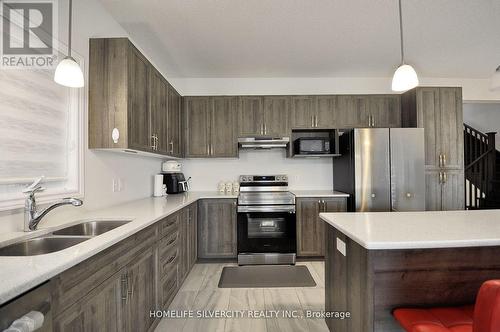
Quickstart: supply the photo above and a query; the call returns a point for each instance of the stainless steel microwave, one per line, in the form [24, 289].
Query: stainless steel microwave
[312, 145]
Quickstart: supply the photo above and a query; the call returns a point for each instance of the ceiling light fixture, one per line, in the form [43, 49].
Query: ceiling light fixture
[495, 80]
[405, 77]
[68, 71]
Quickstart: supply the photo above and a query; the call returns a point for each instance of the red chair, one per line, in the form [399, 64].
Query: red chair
[484, 316]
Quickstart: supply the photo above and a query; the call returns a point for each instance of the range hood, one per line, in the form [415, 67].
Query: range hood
[262, 142]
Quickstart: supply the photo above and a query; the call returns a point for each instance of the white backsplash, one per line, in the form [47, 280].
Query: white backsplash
[304, 174]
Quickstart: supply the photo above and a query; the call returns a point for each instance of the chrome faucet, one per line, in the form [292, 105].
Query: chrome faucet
[31, 216]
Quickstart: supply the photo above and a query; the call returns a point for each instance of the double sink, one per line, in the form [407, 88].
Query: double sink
[61, 239]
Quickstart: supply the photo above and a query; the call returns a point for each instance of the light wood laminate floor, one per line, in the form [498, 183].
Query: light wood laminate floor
[200, 292]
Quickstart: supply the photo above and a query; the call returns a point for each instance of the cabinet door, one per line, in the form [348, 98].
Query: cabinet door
[174, 130]
[250, 116]
[310, 230]
[159, 111]
[276, 116]
[217, 228]
[385, 111]
[101, 310]
[334, 204]
[193, 234]
[141, 292]
[352, 112]
[451, 128]
[428, 115]
[139, 119]
[197, 126]
[452, 195]
[432, 190]
[224, 142]
[183, 244]
[325, 112]
[303, 113]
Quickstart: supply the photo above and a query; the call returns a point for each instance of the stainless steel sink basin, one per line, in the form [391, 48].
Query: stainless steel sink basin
[41, 245]
[91, 228]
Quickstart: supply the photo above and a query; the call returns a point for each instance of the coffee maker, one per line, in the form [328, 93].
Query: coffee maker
[173, 178]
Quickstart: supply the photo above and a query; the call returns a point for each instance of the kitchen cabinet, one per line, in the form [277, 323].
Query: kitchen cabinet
[117, 288]
[309, 112]
[174, 131]
[101, 310]
[211, 127]
[310, 228]
[250, 121]
[217, 228]
[276, 116]
[198, 118]
[384, 111]
[439, 111]
[352, 111]
[303, 114]
[326, 112]
[264, 116]
[159, 112]
[129, 97]
[140, 297]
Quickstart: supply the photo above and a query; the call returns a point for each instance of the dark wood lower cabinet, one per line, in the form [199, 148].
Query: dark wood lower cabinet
[310, 228]
[217, 228]
[116, 289]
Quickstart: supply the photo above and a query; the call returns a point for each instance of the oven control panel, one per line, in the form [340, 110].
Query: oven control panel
[263, 178]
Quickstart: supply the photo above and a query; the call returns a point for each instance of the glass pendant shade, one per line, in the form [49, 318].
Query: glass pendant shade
[405, 78]
[495, 80]
[69, 73]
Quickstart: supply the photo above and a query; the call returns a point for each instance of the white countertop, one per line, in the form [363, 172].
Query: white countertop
[318, 193]
[19, 274]
[419, 230]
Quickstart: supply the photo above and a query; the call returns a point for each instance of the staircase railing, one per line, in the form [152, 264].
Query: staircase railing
[480, 165]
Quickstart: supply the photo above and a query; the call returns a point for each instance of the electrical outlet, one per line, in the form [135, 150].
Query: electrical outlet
[116, 185]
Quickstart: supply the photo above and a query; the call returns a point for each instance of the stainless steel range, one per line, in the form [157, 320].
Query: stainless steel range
[266, 221]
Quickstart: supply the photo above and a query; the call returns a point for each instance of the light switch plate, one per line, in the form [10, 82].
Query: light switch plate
[341, 247]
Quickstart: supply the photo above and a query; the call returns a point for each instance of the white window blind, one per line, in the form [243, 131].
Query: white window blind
[40, 129]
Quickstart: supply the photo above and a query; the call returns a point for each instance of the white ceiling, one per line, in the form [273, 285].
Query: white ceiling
[313, 38]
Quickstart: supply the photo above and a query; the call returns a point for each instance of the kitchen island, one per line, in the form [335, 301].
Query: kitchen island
[377, 261]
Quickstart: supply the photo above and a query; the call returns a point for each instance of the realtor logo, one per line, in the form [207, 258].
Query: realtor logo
[28, 34]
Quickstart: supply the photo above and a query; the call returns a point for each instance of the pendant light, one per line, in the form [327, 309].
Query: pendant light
[405, 77]
[495, 80]
[68, 71]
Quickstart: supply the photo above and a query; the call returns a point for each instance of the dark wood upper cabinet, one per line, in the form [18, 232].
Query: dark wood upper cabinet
[198, 117]
[223, 127]
[303, 113]
[211, 127]
[126, 92]
[217, 228]
[276, 116]
[159, 112]
[250, 116]
[352, 112]
[326, 112]
[385, 111]
[174, 131]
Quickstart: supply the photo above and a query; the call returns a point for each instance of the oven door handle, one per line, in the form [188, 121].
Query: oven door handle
[267, 208]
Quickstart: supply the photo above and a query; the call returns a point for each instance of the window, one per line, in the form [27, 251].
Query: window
[40, 135]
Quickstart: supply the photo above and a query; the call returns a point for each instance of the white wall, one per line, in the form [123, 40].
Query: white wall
[473, 89]
[303, 173]
[90, 19]
[484, 117]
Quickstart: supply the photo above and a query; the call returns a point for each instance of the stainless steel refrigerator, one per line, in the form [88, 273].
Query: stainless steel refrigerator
[382, 169]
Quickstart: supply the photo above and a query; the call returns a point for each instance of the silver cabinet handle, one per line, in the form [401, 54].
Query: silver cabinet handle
[316, 121]
[153, 142]
[440, 177]
[444, 160]
[440, 161]
[445, 177]
[171, 147]
[312, 121]
[265, 129]
[124, 281]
